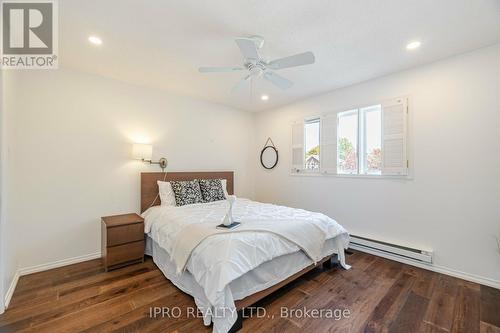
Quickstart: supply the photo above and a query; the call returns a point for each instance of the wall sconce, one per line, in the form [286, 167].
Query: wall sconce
[144, 152]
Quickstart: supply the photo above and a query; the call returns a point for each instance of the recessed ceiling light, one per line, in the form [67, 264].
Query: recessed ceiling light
[95, 40]
[264, 97]
[413, 45]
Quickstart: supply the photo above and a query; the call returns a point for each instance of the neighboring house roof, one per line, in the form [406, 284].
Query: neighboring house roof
[313, 158]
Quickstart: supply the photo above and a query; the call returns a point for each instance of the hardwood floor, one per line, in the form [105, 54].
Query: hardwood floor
[381, 296]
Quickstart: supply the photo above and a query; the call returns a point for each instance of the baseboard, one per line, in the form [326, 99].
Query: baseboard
[10, 291]
[58, 263]
[431, 267]
[44, 267]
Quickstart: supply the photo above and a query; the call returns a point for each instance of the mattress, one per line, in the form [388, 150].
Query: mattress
[264, 276]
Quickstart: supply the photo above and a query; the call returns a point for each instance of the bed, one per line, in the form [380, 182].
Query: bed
[230, 271]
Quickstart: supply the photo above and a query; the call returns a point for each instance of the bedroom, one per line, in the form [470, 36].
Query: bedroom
[82, 134]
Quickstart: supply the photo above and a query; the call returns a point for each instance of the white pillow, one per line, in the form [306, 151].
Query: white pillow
[224, 187]
[167, 196]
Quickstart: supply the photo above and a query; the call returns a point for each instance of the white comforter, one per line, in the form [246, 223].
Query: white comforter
[222, 258]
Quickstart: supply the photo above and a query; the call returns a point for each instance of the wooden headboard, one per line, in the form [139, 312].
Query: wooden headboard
[149, 186]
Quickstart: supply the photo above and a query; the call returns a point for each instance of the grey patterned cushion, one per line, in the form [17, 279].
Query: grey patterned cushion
[211, 190]
[187, 192]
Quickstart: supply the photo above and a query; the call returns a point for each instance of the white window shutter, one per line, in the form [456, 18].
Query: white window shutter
[394, 137]
[328, 144]
[297, 146]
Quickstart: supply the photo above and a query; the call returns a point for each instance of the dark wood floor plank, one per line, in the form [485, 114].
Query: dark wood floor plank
[114, 280]
[467, 316]
[487, 328]
[45, 278]
[411, 314]
[273, 303]
[357, 294]
[361, 309]
[313, 279]
[100, 278]
[341, 293]
[140, 319]
[490, 305]
[71, 305]
[442, 303]
[101, 312]
[429, 328]
[386, 310]
[277, 325]
[426, 281]
[381, 295]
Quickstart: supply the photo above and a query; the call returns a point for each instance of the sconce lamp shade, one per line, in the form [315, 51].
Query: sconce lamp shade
[142, 151]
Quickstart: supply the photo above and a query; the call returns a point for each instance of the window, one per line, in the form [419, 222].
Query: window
[347, 142]
[359, 141]
[369, 140]
[311, 144]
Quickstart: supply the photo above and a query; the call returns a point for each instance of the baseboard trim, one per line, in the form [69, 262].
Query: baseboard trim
[431, 267]
[58, 263]
[44, 267]
[10, 291]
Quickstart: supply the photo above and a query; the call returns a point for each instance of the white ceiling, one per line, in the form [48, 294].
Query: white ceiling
[162, 43]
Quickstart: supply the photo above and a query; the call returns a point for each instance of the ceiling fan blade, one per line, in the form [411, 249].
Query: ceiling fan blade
[300, 59]
[241, 84]
[219, 69]
[278, 80]
[248, 48]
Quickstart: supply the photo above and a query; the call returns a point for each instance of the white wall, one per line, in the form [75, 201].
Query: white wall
[2, 242]
[69, 140]
[452, 203]
[8, 253]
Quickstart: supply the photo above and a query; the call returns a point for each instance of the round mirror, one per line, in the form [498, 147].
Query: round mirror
[269, 157]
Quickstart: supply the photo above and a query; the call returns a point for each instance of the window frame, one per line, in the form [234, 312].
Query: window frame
[362, 157]
[320, 173]
[348, 113]
[361, 142]
[309, 120]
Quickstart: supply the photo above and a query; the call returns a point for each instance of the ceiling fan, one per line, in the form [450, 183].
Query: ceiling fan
[259, 67]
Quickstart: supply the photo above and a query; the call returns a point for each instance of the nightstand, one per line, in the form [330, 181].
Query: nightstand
[122, 240]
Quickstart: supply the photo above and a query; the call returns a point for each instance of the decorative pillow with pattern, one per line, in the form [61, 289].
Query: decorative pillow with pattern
[212, 190]
[167, 197]
[187, 192]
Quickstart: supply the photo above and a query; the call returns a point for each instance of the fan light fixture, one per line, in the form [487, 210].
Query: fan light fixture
[254, 66]
[264, 97]
[413, 45]
[95, 40]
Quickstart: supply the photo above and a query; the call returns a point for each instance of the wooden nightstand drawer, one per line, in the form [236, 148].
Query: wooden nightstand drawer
[125, 234]
[123, 253]
[122, 240]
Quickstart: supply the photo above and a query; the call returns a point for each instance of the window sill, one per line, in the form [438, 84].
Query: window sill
[319, 174]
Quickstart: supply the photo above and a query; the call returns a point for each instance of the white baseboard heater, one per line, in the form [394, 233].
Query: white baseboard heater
[372, 245]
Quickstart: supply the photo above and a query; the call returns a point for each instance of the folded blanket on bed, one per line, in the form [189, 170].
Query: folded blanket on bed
[306, 234]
